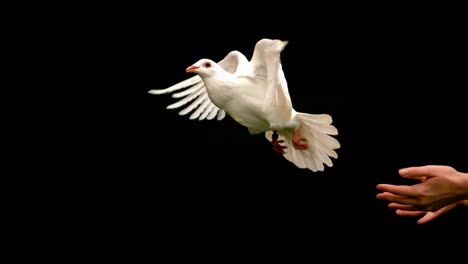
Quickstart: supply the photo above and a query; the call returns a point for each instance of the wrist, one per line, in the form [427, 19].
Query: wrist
[463, 185]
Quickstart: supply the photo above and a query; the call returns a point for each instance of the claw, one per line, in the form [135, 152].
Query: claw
[277, 147]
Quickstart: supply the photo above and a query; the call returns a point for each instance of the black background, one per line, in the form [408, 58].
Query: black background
[393, 85]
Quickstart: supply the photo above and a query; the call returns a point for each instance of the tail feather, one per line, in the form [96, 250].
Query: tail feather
[317, 118]
[323, 142]
[324, 128]
[318, 131]
[311, 159]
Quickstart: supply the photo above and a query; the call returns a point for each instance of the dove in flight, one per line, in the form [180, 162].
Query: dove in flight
[255, 94]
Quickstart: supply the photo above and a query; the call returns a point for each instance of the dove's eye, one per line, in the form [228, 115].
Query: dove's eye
[207, 64]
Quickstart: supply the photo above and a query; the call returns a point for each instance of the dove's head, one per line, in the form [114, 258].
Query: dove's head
[204, 67]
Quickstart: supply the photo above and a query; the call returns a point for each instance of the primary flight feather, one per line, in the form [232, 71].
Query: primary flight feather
[255, 94]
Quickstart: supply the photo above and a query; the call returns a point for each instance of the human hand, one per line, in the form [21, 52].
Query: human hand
[427, 216]
[440, 187]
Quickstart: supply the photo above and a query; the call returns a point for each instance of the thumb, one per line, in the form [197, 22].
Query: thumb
[433, 215]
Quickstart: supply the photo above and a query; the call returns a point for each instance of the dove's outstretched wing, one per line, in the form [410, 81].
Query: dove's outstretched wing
[266, 64]
[196, 98]
[194, 94]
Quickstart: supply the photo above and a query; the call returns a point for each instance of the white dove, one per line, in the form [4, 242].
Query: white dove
[255, 94]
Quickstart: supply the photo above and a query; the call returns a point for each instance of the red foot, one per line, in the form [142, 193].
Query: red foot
[299, 143]
[277, 147]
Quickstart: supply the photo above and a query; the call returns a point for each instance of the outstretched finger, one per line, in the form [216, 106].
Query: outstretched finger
[405, 207]
[422, 171]
[403, 190]
[400, 199]
[409, 213]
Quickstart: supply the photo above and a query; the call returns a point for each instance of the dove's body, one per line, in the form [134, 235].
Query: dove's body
[252, 115]
[255, 94]
[242, 98]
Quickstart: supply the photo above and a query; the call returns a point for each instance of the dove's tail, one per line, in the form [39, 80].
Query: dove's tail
[318, 131]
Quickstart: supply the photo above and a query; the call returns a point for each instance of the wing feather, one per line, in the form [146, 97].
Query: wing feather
[186, 100]
[203, 103]
[183, 84]
[206, 112]
[266, 64]
[212, 113]
[236, 63]
[191, 90]
[220, 115]
[195, 95]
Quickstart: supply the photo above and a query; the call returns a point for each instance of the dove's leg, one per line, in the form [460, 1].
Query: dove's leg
[299, 143]
[277, 147]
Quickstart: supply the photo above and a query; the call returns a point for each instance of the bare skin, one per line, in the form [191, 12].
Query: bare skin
[298, 143]
[277, 147]
[441, 189]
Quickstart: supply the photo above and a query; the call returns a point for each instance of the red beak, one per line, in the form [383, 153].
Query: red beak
[192, 68]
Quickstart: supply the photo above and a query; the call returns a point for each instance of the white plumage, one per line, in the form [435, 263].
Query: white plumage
[255, 94]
